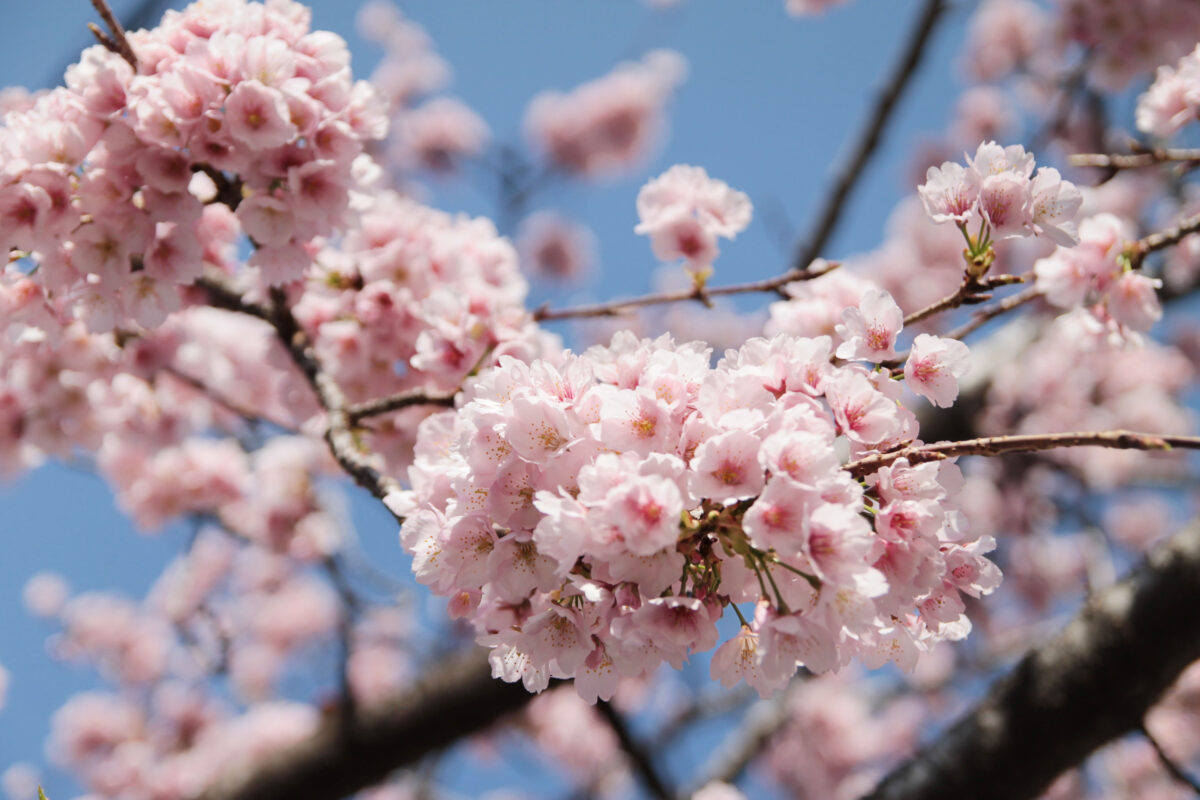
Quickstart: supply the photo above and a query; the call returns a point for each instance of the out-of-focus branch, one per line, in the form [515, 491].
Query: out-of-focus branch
[1089, 685]
[1027, 443]
[643, 765]
[1169, 764]
[868, 139]
[458, 698]
[699, 293]
[739, 748]
[1135, 160]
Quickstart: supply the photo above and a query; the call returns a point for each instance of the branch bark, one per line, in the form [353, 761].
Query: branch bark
[1091, 684]
[456, 700]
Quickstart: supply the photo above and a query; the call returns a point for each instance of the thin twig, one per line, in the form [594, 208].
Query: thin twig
[396, 402]
[119, 44]
[339, 434]
[971, 291]
[868, 139]
[1143, 247]
[988, 313]
[1169, 764]
[1025, 443]
[637, 755]
[702, 294]
[1135, 160]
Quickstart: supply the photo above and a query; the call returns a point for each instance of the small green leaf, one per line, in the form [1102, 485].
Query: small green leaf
[41, 794]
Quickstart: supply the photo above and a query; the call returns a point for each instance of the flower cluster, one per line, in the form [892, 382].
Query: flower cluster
[413, 299]
[1173, 100]
[104, 180]
[684, 211]
[998, 192]
[592, 518]
[1094, 274]
[1125, 39]
[607, 124]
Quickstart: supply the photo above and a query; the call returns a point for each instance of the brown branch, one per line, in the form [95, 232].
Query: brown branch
[1026, 443]
[868, 139]
[1135, 160]
[638, 757]
[1089, 685]
[117, 42]
[339, 434]
[988, 313]
[1137, 251]
[455, 699]
[396, 402]
[973, 290]
[699, 293]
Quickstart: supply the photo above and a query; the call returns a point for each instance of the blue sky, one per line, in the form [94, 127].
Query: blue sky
[769, 105]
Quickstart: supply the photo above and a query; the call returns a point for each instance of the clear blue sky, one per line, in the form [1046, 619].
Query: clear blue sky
[768, 106]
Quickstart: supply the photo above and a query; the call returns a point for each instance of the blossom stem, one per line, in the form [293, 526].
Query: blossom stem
[739, 613]
[779, 601]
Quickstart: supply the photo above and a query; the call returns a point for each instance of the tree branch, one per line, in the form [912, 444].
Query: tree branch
[456, 699]
[1026, 443]
[397, 402]
[699, 293]
[973, 290]
[1143, 247]
[1135, 160]
[643, 765]
[339, 433]
[117, 41]
[870, 136]
[999, 308]
[1089, 685]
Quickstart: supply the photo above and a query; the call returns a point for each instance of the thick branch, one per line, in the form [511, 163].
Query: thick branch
[1091, 684]
[698, 293]
[457, 699]
[997, 445]
[869, 138]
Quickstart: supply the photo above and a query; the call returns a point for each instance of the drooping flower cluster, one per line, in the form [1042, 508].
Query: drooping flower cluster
[608, 124]
[684, 211]
[104, 180]
[1092, 274]
[999, 189]
[1173, 100]
[593, 518]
